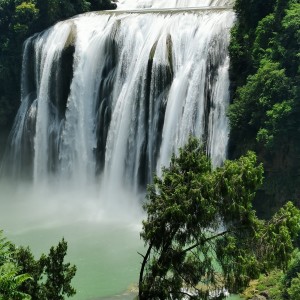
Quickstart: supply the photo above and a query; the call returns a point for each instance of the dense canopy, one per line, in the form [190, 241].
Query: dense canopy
[201, 232]
[265, 74]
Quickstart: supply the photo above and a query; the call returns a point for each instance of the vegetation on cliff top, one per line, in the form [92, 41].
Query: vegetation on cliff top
[265, 74]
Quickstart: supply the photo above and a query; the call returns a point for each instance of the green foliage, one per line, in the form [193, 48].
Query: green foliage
[290, 40]
[24, 277]
[10, 282]
[201, 231]
[265, 73]
[249, 14]
[291, 278]
[101, 4]
[52, 11]
[270, 283]
[51, 275]
[58, 274]
[28, 264]
[278, 285]
[278, 236]
[10, 277]
[265, 38]
[294, 289]
[4, 248]
[25, 15]
[263, 104]
[268, 88]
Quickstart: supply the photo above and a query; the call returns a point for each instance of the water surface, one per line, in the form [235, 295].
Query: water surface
[104, 246]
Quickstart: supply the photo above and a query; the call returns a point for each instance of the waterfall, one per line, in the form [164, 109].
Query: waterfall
[108, 96]
[133, 4]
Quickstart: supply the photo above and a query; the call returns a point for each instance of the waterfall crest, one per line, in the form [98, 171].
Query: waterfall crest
[108, 97]
[134, 4]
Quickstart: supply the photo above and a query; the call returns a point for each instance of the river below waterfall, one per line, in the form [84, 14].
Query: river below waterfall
[103, 246]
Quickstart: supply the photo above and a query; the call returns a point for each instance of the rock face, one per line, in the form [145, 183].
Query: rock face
[282, 180]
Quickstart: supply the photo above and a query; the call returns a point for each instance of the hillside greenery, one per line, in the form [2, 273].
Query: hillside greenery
[202, 233]
[265, 76]
[19, 19]
[278, 285]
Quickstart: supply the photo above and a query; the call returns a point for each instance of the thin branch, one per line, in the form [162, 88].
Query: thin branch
[205, 241]
[145, 259]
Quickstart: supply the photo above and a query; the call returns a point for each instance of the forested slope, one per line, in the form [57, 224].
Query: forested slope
[265, 76]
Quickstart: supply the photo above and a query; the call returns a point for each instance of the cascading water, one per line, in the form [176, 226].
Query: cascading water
[106, 98]
[135, 4]
[114, 94]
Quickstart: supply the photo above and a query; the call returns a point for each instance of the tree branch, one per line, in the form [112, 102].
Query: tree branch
[145, 259]
[206, 240]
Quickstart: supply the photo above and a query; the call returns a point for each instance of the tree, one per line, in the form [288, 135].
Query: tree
[265, 77]
[24, 277]
[294, 289]
[10, 277]
[263, 106]
[10, 282]
[51, 275]
[201, 232]
[291, 279]
[58, 274]
[24, 258]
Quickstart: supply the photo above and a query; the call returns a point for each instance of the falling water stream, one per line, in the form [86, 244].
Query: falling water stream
[107, 97]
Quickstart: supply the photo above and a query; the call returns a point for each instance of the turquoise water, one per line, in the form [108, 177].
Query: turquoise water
[104, 245]
[104, 249]
[105, 255]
